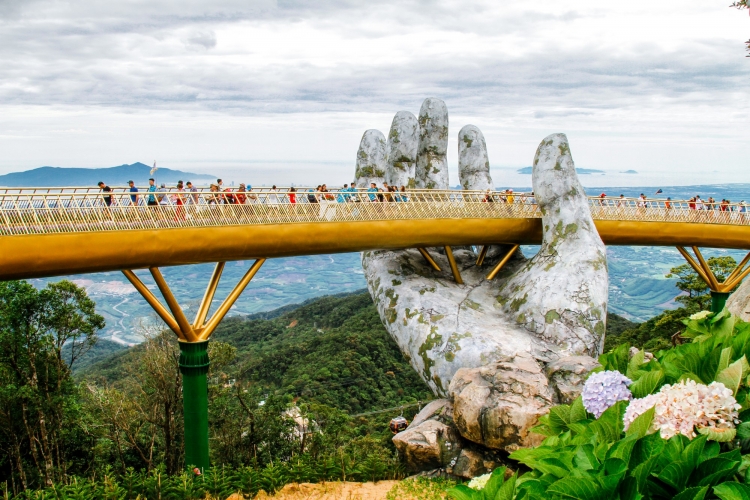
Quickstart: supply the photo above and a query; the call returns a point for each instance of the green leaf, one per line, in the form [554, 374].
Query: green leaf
[559, 417]
[676, 474]
[493, 483]
[732, 375]
[585, 459]
[642, 424]
[743, 430]
[718, 435]
[608, 427]
[508, 489]
[715, 470]
[463, 492]
[692, 494]
[622, 449]
[724, 359]
[579, 488]
[635, 363]
[642, 471]
[577, 410]
[691, 455]
[552, 466]
[647, 384]
[732, 491]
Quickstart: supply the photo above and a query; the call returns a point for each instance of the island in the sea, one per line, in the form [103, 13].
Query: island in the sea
[579, 171]
[629, 172]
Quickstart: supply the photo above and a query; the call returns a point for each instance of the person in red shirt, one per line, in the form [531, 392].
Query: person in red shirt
[292, 196]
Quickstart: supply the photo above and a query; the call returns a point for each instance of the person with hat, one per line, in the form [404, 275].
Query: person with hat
[133, 189]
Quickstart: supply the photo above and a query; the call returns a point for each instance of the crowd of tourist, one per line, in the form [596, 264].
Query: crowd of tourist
[218, 194]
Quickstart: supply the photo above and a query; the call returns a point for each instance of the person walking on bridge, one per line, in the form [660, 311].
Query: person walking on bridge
[106, 197]
[152, 189]
[133, 197]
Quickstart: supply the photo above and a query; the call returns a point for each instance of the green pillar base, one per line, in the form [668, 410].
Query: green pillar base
[194, 368]
[718, 301]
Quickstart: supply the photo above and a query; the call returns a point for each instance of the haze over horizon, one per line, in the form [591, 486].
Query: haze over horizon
[267, 91]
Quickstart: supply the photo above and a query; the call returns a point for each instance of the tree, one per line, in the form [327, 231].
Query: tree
[38, 400]
[698, 297]
[742, 4]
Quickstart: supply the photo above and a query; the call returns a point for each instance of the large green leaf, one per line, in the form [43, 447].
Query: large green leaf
[642, 472]
[585, 459]
[496, 480]
[732, 375]
[642, 424]
[647, 384]
[577, 411]
[508, 490]
[463, 492]
[676, 474]
[635, 363]
[715, 470]
[559, 417]
[579, 488]
[725, 359]
[692, 494]
[743, 430]
[691, 455]
[608, 427]
[552, 466]
[732, 491]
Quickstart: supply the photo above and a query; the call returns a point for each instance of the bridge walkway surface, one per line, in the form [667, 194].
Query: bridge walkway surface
[49, 232]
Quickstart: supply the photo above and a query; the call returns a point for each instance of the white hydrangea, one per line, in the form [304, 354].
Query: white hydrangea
[479, 482]
[604, 389]
[686, 406]
[700, 315]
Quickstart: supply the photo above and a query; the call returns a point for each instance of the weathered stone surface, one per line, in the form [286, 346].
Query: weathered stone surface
[560, 295]
[431, 440]
[497, 404]
[403, 142]
[472, 463]
[432, 161]
[739, 302]
[473, 162]
[371, 159]
[503, 351]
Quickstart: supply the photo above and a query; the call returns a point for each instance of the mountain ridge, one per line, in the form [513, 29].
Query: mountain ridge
[114, 176]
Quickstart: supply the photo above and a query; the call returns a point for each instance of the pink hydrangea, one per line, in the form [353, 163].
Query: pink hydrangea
[685, 407]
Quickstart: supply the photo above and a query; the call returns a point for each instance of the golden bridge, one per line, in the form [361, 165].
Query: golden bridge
[63, 231]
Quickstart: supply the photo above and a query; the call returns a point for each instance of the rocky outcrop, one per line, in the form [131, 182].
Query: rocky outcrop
[502, 351]
[403, 142]
[473, 161]
[370, 159]
[432, 442]
[432, 160]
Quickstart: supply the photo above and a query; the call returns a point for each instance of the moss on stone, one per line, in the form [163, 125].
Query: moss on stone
[551, 316]
[395, 282]
[516, 303]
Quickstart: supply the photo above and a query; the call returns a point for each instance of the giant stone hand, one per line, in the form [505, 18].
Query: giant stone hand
[503, 351]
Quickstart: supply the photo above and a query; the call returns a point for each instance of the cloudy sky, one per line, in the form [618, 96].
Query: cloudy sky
[279, 89]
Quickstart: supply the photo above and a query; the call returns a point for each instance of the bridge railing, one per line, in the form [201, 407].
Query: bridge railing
[61, 210]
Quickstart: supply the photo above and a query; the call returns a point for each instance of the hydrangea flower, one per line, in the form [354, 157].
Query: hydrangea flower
[700, 315]
[479, 482]
[686, 406]
[603, 389]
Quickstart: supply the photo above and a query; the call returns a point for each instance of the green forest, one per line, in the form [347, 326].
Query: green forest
[303, 392]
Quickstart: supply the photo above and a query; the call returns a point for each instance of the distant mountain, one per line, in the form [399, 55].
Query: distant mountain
[580, 171]
[112, 176]
[630, 172]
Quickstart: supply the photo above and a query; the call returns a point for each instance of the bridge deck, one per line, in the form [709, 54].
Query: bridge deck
[68, 233]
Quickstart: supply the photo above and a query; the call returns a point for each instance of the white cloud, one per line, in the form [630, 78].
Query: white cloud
[231, 81]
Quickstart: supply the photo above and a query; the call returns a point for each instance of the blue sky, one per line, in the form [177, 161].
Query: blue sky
[278, 89]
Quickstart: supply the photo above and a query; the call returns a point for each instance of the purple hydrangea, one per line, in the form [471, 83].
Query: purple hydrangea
[603, 389]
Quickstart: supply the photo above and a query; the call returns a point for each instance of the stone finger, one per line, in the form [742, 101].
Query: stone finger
[473, 161]
[403, 141]
[370, 159]
[432, 162]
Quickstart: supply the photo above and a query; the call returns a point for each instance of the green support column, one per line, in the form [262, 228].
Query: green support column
[718, 300]
[194, 368]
